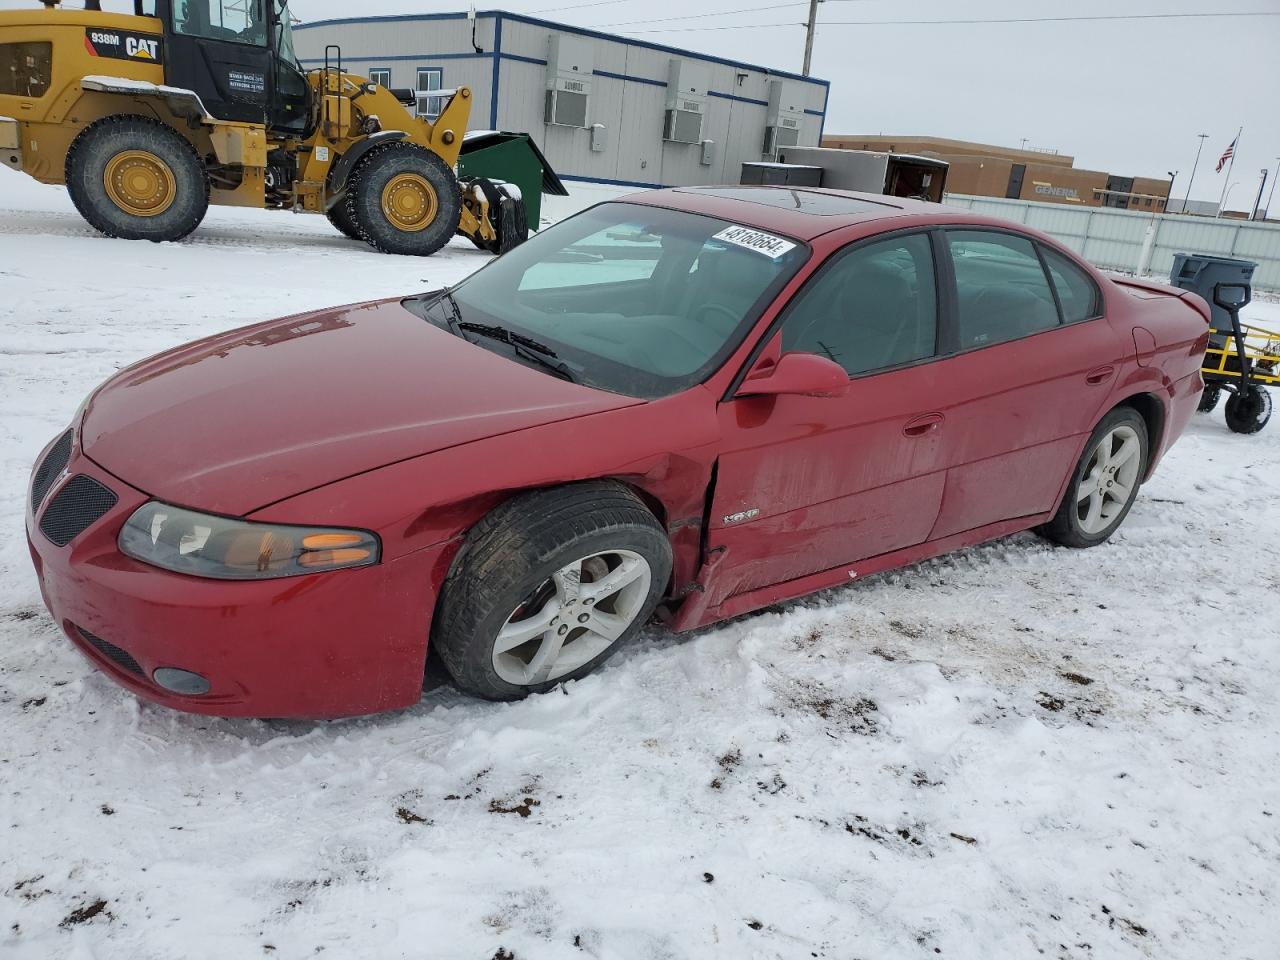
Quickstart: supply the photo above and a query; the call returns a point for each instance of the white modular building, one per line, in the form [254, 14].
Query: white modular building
[611, 114]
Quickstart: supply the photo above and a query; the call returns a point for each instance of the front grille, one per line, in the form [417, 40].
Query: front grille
[80, 502]
[52, 465]
[119, 657]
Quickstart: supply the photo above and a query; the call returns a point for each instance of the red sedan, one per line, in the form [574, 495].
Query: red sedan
[698, 401]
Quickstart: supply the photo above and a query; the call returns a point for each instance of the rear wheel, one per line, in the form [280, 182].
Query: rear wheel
[404, 199]
[337, 215]
[550, 585]
[1249, 413]
[135, 178]
[1104, 483]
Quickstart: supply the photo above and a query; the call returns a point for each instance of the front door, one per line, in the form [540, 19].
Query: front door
[807, 484]
[219, 49]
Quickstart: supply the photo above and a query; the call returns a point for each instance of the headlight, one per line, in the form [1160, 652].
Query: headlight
[207, 546]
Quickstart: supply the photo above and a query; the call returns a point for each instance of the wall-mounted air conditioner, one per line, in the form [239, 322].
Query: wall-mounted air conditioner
[686, 104]
[784, 117]
[570, 63]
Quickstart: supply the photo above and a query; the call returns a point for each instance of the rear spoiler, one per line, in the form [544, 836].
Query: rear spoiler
[1152, 287]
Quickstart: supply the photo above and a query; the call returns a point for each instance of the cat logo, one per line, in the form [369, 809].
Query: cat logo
[142, 48]
[124, 45]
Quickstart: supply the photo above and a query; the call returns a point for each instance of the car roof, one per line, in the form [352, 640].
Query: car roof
[800, 212]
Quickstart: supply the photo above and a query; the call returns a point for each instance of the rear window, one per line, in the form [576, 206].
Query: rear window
[25, 68]
[1001, 287]
[1076, 291]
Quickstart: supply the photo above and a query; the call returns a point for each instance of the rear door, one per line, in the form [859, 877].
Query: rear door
[806, 484]
[219, 49]
[1032, 369]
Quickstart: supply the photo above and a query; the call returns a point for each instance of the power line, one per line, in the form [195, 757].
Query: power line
[721, 13]
[576, 6]
[935, 23]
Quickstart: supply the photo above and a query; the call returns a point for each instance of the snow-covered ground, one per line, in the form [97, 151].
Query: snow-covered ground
[1014, 751]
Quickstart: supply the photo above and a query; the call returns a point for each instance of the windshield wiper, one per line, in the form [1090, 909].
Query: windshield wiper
[509, 336]
[453, 316]
[526, 347]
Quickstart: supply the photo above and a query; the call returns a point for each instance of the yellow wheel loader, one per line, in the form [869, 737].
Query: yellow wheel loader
[148, 118]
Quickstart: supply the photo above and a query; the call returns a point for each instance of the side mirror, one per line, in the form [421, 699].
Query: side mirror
[1231, 296]
[795, 374]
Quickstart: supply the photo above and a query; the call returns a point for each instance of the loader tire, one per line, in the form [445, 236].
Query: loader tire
[404, 199]
[135, 178]
[341, 221]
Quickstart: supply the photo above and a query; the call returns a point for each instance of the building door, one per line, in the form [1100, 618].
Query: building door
[1016, 173]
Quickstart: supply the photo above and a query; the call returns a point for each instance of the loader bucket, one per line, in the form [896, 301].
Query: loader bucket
[513, 158]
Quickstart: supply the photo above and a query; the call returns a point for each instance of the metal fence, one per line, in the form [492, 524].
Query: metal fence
[1114, 239]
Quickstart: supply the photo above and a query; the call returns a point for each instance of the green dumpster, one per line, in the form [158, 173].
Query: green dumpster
[515, 158]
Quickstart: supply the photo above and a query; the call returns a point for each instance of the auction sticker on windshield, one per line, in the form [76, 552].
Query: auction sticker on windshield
[766, 243]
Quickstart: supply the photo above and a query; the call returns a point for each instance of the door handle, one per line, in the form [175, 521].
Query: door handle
[1100, 374]
[919, 426]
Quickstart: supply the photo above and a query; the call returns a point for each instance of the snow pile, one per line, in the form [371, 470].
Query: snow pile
[1012, 751]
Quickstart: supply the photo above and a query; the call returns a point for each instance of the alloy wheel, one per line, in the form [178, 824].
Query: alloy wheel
[571, 618]
[1110, 477]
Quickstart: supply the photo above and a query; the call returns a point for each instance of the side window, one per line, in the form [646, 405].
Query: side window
[429, 78]
[874, 307]
[25, 68]
[381, 76]
[1001, 290]
[232, 20]
[1076, 290]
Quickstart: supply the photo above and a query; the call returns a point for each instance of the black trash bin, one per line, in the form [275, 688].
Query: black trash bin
[1200, 272]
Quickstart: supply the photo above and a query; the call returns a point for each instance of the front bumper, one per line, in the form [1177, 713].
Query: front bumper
[331, 644]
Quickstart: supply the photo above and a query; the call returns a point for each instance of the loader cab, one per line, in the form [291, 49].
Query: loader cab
[237, 55]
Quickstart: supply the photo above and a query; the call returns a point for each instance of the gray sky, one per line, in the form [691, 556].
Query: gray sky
[1124, 96]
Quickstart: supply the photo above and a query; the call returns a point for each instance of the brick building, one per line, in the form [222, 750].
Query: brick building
[983, 170]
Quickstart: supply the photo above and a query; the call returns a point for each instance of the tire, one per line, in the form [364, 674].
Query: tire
[511, 574]
[128, 158]
[337, 215]
[1209, 399]
[401, 169]
[1250, 413]
[1068, 527]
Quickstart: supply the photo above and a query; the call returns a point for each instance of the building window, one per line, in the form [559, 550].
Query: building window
[381, 76]
[429, 78]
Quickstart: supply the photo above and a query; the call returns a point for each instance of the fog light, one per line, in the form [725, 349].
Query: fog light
[181, 681]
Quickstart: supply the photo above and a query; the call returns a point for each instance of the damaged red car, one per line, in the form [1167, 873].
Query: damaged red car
[695, 401]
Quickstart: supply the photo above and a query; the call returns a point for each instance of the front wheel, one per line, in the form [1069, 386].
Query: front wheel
[403, 198]
[1104, 483]
[137, 179]
[549, 586]
[1249, 413]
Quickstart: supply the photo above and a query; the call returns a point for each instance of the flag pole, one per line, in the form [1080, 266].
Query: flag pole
[1235, 148]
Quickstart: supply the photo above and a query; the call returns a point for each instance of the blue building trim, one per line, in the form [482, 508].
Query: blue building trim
[639, 185]
[501, 15]
[497, 68]
[523, 59]
[627, 79]
[380, 58]
[734, 96]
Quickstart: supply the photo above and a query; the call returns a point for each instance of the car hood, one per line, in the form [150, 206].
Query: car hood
[247, 418]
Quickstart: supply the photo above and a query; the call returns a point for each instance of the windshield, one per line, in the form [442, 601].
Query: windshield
[636, 300]
[284, 33]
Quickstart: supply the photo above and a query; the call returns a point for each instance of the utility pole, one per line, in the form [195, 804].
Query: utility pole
[1271, 196]
[1258, 201]
[1199, 147]
[808, 36]
[1168, 194]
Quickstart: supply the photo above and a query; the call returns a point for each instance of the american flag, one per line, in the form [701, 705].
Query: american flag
[1226, 155]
